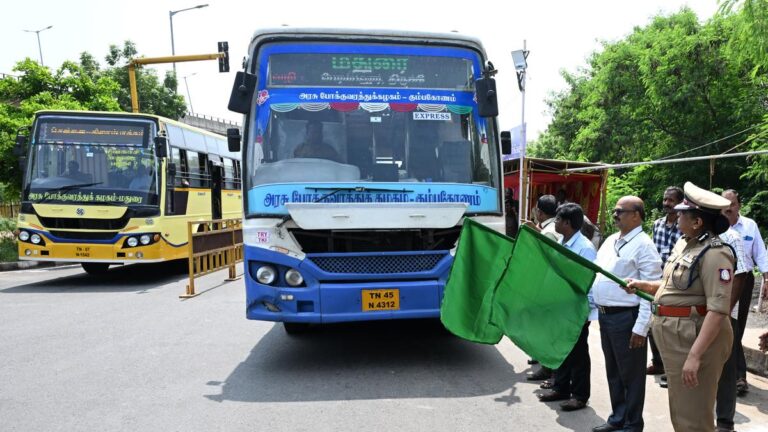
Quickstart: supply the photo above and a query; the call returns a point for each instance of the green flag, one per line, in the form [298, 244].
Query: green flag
[540, 302]
[480, 260]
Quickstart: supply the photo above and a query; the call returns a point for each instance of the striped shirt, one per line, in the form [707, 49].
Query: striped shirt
[664, 237]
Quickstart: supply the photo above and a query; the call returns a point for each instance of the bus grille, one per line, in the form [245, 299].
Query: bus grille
[378, 264]
[80, 235]
[81, 223]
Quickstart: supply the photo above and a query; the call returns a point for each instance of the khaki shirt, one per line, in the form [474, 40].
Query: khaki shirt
[712, 276]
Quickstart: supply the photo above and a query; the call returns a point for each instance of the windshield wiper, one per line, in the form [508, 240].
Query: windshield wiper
[74, 186]
[335, 190]
[67, 188]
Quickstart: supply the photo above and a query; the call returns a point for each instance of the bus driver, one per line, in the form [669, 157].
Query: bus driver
[313, 146]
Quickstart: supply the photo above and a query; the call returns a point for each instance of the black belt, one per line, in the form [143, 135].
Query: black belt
[615, 309]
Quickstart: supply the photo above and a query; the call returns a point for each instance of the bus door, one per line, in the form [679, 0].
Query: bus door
[216, 168]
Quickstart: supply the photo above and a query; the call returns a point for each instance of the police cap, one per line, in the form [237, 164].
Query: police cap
[702, 199]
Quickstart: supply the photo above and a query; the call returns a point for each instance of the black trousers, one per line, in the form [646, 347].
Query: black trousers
[625, 368]
[725, 409]
[745, 302]
[573, 376]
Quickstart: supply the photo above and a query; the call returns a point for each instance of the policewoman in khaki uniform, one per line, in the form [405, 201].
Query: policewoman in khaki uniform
[691, 307]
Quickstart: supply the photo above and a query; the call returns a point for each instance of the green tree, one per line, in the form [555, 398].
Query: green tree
[665, 90]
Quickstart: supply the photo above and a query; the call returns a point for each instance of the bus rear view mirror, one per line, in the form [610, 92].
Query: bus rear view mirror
[506, 142]
[487, 101]
[233, 139]
[21, 142]
[161, 146]
[242, 92]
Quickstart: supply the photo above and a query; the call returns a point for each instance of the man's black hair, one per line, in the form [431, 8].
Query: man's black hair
[678, 191]
[547, 204]
[572, 213]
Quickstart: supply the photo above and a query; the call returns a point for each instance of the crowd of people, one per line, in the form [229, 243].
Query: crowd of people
[698, 263]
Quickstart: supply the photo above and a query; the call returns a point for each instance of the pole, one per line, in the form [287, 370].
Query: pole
[189, 97]
[173, 47]
[40, 48]
[522, 194]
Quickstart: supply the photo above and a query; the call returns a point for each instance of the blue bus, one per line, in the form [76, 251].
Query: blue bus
[363, 151]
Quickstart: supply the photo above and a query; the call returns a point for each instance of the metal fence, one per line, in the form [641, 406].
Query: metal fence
[9, 210]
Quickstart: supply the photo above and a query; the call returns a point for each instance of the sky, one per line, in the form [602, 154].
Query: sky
[560, 35]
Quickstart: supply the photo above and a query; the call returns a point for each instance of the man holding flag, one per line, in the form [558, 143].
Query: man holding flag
[625, 318]
[572, 378]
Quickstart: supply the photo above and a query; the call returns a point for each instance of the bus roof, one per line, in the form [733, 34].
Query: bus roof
[367, 35]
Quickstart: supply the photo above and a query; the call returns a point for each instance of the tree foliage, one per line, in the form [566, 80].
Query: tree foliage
[666, 90]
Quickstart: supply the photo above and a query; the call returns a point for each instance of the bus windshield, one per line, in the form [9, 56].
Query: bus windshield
[352, 113]
[88, 160]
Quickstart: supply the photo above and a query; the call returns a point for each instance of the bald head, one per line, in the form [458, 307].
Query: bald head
[628, 213]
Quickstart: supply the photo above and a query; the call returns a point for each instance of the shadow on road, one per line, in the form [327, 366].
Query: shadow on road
[372, 360]
[128, 278]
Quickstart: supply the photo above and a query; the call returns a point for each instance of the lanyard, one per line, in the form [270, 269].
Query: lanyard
[626, 242]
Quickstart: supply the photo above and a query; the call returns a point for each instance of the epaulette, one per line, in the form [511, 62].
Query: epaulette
[716, 242]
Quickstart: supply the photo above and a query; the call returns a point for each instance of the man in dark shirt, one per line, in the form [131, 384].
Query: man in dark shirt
[665, 235]
[313, 146]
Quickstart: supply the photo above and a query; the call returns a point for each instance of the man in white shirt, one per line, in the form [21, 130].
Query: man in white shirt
[754, 255]
[572, 378]
[625, 318]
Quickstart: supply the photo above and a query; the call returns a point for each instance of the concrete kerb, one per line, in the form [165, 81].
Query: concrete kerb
[22, 265]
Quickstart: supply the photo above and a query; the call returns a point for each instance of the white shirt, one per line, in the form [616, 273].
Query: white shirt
[732, 238]
[548, 229]
[632, 256]
[754, 248]
[581, 245]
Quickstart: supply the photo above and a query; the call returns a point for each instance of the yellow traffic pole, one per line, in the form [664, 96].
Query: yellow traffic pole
[134, 92]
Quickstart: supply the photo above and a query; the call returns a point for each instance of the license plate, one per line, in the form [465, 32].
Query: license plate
[381, 300]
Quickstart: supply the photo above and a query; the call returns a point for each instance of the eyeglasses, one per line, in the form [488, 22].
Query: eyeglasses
[619, 211]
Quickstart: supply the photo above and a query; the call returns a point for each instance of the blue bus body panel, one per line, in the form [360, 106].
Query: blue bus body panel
[333, 291]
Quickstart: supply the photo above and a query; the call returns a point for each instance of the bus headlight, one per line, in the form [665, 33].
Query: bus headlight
[145, 239]
[132, 241]
[35, 239]
[266, 275]
[294, 278]
[24, 236]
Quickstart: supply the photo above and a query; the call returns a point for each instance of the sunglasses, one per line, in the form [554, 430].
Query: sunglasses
[617, 212]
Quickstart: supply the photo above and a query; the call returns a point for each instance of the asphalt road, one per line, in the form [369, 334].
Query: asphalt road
[124, 353]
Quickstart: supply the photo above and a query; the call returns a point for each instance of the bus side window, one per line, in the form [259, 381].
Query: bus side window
[229, 174]
[186, 181]
[176, 160]
[205, 175]
[238, 175]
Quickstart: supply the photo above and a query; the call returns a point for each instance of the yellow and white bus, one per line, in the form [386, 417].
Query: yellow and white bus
[103, 188]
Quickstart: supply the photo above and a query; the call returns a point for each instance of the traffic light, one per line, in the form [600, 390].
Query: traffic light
[224, 61]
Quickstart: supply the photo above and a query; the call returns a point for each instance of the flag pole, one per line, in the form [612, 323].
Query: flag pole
[642, 294]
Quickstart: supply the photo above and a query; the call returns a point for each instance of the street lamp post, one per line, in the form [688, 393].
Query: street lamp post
[39, 46]
[189, 97]
[170, 16]
[519, 57]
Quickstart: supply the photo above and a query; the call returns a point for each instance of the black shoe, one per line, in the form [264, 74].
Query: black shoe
[533, 362]
[573, 405]
[540, 375]
[547, 384]
[742, 387]
[606, 428]
[552, 396]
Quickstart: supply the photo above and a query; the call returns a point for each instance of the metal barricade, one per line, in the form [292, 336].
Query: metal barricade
[214, 245]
